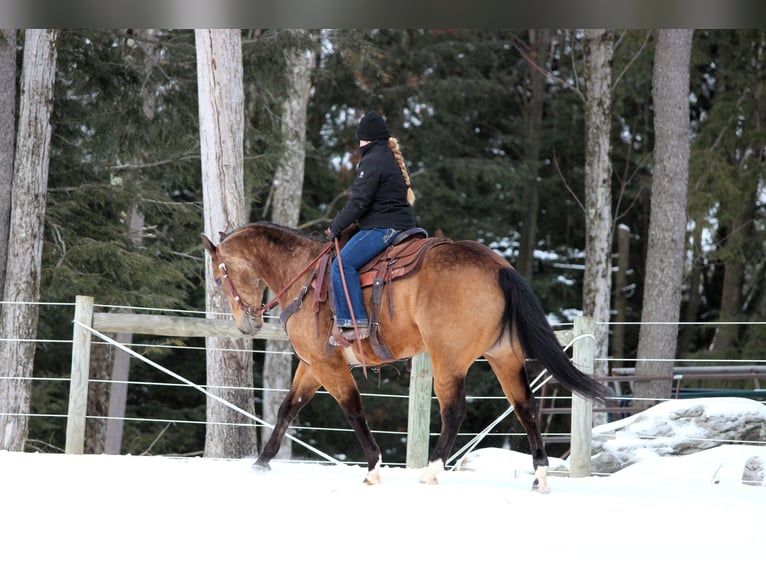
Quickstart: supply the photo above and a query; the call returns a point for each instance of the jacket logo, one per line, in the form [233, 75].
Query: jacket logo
[361, 174]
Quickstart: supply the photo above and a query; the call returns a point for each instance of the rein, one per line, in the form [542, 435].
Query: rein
[350, 308]
[252, 310]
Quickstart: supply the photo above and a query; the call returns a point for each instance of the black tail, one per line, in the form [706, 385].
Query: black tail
[524, 314]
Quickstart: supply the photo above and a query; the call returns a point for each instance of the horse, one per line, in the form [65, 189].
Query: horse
[464, 302]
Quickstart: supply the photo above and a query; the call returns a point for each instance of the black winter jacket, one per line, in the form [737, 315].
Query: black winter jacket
[379, 195]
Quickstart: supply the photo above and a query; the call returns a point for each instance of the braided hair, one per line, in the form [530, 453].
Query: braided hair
[393, 143]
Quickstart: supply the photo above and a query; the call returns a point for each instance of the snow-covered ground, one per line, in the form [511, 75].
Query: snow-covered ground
[100, 513]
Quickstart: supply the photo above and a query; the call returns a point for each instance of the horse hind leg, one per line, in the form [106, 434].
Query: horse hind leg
[515, 383]
[450, 392]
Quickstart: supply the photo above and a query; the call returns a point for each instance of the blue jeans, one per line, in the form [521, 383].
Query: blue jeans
[362, 247]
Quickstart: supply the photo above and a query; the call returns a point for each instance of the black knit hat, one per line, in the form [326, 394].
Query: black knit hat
[372, 127]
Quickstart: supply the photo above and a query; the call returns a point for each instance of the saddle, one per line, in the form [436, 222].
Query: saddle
[401, 259]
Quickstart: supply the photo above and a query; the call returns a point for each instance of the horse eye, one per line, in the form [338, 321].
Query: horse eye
[218, 281]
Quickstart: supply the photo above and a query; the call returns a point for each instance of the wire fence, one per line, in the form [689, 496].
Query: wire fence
[554, 407]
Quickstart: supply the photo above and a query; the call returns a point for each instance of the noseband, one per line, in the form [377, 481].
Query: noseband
[249, 310]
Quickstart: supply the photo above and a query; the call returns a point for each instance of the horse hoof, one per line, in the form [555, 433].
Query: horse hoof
[541, 488]
[259, 466]
[431, 471]
[541, 480]
[373, 475]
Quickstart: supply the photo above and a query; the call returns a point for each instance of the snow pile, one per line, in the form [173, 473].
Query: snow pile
[679, 427]
[507, 462]
[728, 464]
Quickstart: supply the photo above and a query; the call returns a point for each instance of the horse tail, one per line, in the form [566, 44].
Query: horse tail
[524, 315]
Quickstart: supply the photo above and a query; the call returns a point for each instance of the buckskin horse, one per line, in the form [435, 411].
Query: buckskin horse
[463, 301]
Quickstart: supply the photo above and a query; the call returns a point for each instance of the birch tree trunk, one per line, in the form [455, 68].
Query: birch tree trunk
[7, 131]
[661, 309]
[287, 192]
[18, 320]
[221, 118]
[597, 281]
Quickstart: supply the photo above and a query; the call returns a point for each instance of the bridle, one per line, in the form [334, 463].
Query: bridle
[258, 311]
[253, 311]
[249, 310]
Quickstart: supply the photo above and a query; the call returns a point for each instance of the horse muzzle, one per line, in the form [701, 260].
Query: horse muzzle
[249, 324]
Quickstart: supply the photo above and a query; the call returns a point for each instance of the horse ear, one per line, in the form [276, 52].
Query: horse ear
[222, 236]
[207, 244]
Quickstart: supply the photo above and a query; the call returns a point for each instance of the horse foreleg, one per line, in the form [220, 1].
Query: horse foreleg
[302, 391]
[453, 409]
[352, 408]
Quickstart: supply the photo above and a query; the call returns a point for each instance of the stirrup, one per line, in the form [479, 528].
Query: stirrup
[349, 334]
[343, 336]
[336, 337]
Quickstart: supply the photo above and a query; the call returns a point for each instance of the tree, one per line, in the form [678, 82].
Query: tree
[597, 280]
[729, 179]
[667, 224]
[144, 55]
[221, 118]
[539, 41]
[286, 200]
[18, 320]
[109, 159]
[7, 131]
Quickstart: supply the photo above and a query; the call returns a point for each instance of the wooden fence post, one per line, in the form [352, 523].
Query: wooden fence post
[583, 352]
[78, 387]
[419, 415]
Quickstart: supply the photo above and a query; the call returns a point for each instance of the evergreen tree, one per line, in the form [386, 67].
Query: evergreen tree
[109, 159]
[726, 187]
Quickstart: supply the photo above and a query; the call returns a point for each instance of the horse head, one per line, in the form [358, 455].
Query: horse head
[241, 287]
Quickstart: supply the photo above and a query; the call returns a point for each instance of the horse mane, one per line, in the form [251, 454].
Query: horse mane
[274, 230]
[277, 234]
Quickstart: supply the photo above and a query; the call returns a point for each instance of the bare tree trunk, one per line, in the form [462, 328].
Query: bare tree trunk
[695, 279]
[7, 131]
[287, 192]
[18, 322]
[597, 281]
[101, 358]
[539, 40]
[221, 117]
[667, 225]
[620, 288]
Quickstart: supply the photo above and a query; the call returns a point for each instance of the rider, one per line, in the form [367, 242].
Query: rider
[381, 205]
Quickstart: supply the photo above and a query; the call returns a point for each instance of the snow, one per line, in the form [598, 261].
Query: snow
[101, 513]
